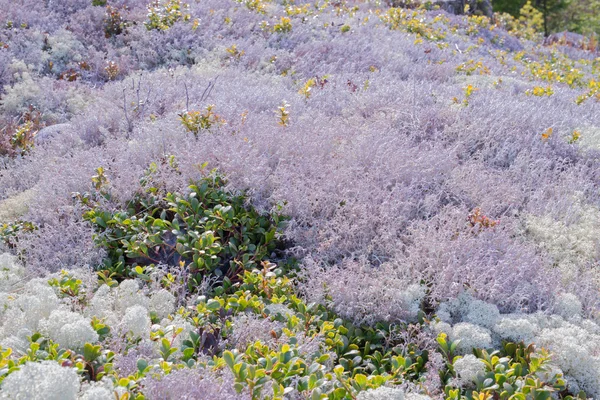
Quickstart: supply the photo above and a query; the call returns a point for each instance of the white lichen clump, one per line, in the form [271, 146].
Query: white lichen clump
[573, 341]
[128, 295]
[388, 393]
[568, 306]
[97, 393]
[162, 303]
[42, 380]
[24, 312]
[465, 308]
[468, 369]
[11, 272]
[101, 390]
[69, 329]
[516, 329]
[102, 305]
[471, 337]
[137, 321]
[27, 307]
[278, 310]
[571, 241]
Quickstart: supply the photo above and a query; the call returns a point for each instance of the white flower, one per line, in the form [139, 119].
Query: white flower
[469, 368]
[70, 330]
[44, 380]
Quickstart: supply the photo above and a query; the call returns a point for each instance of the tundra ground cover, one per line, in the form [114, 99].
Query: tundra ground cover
[277, 199]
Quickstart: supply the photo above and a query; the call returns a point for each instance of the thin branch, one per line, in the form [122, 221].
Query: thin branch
[208, 89]
[129, 125]
[187, 97]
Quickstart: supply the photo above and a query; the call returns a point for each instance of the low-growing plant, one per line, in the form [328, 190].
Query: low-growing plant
[547, 134]
[469, 67]
[593, 92]
[17, 136]
[513, 372]
[575, 136]
[198, 121]
[208, 231]
[114, 24]
[9, 232]
[478, 220]
[283, 26]
[306, 89]
[112, 70]
[67, 285]
[540, 91]
[411, 21]
[258, 6]
[468, 90]
[309, 350]
[364, 360]
[234, 53]
[283, 114]
[529, 25]
[163, 14]
[39, 349]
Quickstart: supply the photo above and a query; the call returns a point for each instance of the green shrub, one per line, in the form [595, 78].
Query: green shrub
[206, 231]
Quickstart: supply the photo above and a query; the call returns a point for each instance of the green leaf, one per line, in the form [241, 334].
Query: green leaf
[229, 359]
[100, 222]
[142, 365]
[361, 380]
[213, 305]
[91, 352]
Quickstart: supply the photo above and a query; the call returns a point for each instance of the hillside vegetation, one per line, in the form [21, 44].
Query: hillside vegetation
[279, 199]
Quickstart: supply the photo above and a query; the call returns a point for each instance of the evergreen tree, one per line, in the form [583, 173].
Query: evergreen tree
[581, 16]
